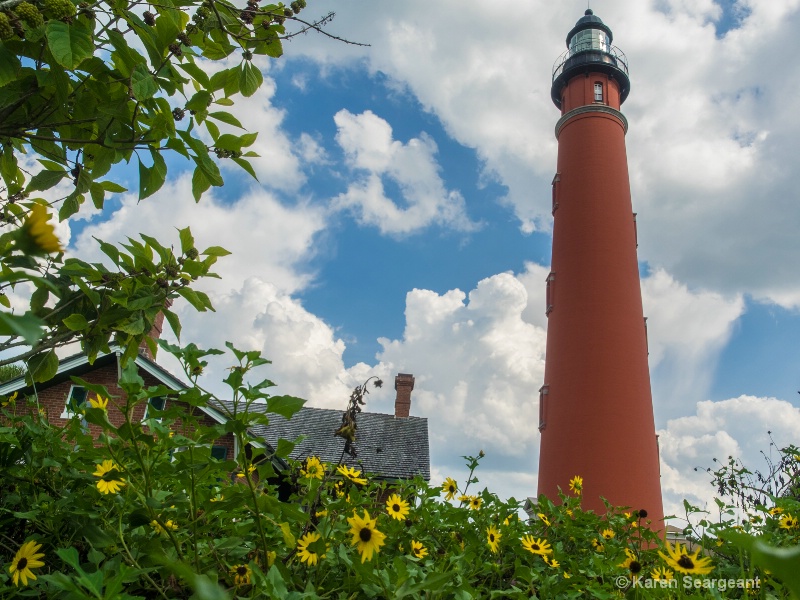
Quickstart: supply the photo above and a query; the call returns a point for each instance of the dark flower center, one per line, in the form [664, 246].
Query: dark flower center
[491, 537]
[396, 507]
[451, 488]
[536, 546]
[365, 534]
[686, 562]
[635, 567]
[23, 562]
[241, 571]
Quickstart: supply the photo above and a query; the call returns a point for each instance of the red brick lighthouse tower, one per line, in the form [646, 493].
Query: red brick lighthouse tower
[596, 410]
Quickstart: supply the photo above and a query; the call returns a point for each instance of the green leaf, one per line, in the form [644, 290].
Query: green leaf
[193, 298]
[781, 562]
[44, 180]
[200, 183]
[69, 44]
[285, 406]
[143, 85]
[215, 251]
[196, 72]
[225, 117]
[42, 367]
[26, 326]
[112, 187]
[76, 322]
[212, 129]
[71, 205]
[9, 66]
[98, 195]
[152, 178]
[173, 321]
[187, 239]
[245, 164]
[250, 79]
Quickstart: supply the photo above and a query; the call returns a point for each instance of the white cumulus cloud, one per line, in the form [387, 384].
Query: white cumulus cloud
[375, 156]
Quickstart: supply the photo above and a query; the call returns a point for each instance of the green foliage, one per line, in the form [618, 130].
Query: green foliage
[87, 86]
[10, 372]
[149, 512]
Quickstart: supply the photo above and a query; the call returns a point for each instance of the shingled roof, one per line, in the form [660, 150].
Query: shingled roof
[388, 447]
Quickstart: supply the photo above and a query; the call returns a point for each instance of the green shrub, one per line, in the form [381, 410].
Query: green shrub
[145, 511]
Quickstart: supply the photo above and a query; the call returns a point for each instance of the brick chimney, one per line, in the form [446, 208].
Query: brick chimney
[155, 332]
[404, 384]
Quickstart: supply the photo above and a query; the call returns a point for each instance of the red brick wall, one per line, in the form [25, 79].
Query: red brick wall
[52, 400]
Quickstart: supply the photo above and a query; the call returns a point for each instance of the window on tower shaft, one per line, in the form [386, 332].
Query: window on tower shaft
[598, 92]
[551, 278]
[544, 391]
[556, 181]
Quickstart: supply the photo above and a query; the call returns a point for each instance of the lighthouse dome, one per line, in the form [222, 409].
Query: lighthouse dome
[589, 26]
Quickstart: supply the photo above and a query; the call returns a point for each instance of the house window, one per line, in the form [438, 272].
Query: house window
[219, 452]
[157, 403]
[598, 92]
[635, 230]
[75, 401]
[544, 392]
[549, 292]
[556, 189]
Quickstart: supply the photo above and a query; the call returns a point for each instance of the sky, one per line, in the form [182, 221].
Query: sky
[401, 222]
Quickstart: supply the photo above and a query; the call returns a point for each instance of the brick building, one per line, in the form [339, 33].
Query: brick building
[391, 447]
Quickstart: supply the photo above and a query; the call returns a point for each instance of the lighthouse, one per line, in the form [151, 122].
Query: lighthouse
[595, 407]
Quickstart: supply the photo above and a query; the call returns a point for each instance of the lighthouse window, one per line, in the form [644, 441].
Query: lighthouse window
[598, 92]
[551, 278]
[543, 393]
[589, 39]
[556, 186]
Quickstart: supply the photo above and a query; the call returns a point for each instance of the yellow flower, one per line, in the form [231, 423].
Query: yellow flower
[607, 534]
[25, 559]
[543, 518]
[321, 513]
[351, 474]
[170, 524]
[110, 482]
[241, 574]
[366, 537]
[475, 502]
[418, 550]
[449, 487]
[576, 484]
[662, 573]
[313, 468]
[250, 469]
[397, 507]
[789, 522]
[10, 400]
[678, 558]
[536, 546]
[99, 402]
[776, 510]
[41, 231]
[493, 538]
[631, 563]
[633, 520]
[307, 550]
[552, 562]
[598, 547]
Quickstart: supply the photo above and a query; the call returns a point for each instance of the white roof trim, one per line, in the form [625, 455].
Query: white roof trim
[79, 360]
